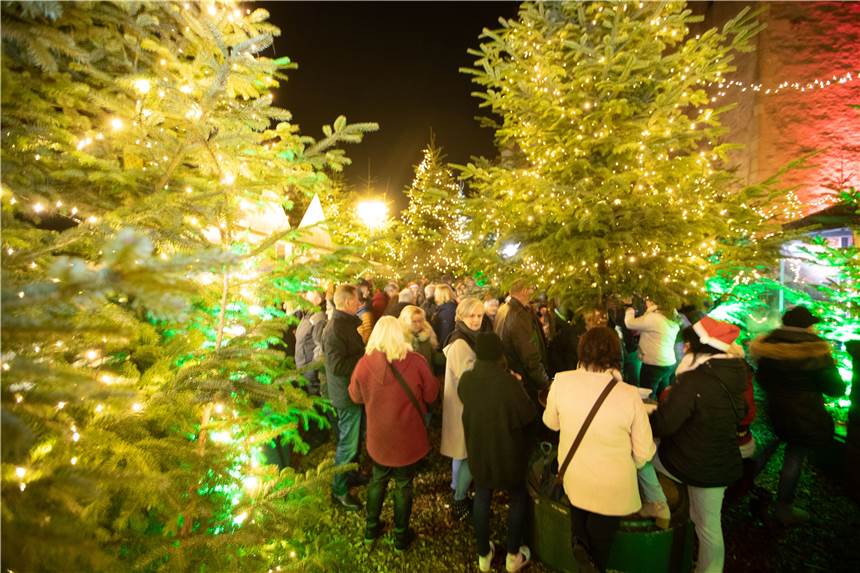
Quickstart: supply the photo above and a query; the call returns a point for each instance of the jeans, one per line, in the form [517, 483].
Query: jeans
[597, 533]
[792, 463]
[649, 485]
[655, 377]
[517, 514]
[349, 423]
[402, 477]
[461, 479]
[706, 505]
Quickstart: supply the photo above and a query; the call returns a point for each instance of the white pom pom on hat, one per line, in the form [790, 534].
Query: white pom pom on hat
[716, 333]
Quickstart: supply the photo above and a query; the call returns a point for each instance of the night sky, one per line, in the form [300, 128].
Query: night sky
[395, 63]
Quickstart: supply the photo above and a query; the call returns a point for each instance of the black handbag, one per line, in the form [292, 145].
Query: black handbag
[554, 488]
[424, 415]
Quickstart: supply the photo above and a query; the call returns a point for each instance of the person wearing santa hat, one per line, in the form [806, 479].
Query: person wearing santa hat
[697, 423]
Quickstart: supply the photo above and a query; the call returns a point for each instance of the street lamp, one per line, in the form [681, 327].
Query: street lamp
[373, 213]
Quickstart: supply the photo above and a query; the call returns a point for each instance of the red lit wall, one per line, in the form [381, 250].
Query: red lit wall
[804, 41]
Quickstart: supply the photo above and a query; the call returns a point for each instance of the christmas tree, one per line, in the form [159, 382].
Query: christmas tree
[612, 177]
[433, 222]
[146, 176]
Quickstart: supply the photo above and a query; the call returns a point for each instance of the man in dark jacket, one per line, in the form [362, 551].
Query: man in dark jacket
[342, 348]
[496, 414]
[795, 367]
[309, 341]
[523, 340]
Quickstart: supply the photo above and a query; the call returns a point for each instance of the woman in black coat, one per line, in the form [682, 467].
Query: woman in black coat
[697, 423]
[795, 367]
[496, 412]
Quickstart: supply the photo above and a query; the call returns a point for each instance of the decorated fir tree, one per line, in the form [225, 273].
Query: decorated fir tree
[612, 176]
[145, 178]
[433, 222]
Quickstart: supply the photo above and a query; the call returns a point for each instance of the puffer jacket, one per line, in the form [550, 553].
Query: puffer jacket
[795, 367]
[697, 423]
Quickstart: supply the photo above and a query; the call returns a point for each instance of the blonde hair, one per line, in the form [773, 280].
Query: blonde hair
[406, 316]
[387, 337]
[443, 293]
[467, 306]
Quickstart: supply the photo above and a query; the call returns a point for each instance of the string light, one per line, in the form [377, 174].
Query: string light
[142, 86]
[805, 86]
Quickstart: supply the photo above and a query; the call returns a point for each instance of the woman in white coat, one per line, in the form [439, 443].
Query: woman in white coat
[459, 351]
[601, 479]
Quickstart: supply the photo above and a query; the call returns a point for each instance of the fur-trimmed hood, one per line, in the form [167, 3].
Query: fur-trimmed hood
[797, 347]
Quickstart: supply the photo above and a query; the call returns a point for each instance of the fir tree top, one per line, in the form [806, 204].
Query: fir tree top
[612, 176]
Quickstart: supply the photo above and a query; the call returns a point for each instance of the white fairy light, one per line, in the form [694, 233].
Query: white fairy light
[142, 85]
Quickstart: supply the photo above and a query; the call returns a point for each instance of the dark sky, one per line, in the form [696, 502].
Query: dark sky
[395, 63]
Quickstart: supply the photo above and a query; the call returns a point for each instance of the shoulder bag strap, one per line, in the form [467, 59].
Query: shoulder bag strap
[405, 387]
[585, 425]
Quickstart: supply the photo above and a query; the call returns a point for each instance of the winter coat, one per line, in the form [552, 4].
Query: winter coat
[459, 358]
[657, 336]
[368, 321]
[522, 339]
[309, 338]
[378, 303]
[424, 343]
[429, 308]
[396, 434]
[563, 352]
[342, 348]
[795, 367]
[601, 477]
[698, 420]
[496, 411]
[443, 320]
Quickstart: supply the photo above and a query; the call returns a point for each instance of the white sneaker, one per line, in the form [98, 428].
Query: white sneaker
[485, 562]
[518, 561]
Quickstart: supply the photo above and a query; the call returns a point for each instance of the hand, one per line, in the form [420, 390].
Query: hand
[650, 305]
[516, 375]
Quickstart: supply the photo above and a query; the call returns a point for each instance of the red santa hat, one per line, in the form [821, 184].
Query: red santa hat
[716, 333]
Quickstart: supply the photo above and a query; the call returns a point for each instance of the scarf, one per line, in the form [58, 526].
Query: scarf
[463, 332]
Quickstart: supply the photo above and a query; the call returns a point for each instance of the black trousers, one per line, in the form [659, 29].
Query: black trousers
[655, 377]
[596, 532]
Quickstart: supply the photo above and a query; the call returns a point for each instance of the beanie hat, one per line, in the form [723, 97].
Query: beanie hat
[716, 333]
[799, 317]
[488, 346]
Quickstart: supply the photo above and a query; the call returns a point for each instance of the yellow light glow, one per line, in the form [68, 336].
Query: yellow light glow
[373, 213]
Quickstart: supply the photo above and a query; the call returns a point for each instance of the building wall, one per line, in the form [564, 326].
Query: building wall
[803, 42]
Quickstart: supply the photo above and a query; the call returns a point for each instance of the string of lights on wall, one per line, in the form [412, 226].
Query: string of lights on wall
[808, 86]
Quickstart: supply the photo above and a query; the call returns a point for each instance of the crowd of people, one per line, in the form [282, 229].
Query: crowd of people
[626, 392]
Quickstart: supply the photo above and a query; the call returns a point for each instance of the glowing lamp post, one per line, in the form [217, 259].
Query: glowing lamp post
[373, 213]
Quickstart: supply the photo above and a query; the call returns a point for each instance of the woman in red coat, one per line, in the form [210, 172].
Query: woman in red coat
[396, 435]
